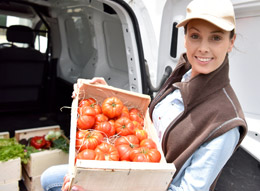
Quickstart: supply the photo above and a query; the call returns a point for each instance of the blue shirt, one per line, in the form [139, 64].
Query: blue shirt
[203, 166]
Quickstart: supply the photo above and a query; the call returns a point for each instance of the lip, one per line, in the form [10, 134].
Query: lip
[203, 60]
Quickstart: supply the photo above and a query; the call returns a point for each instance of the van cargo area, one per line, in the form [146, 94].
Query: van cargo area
[81, 39]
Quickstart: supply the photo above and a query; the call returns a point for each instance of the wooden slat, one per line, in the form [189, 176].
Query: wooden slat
[10, 171]
[40, 161]
[28, 133]
[32, 183]
[123, 176]
[11, 186]
[4, 135]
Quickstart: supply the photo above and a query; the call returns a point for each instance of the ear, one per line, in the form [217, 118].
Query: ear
[232, 42]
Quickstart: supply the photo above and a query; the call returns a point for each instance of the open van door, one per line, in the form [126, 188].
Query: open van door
[171, 43]
[244, 70]
[244, 62]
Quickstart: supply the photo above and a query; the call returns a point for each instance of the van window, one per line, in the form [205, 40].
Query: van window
[79, 39]
[40, 38]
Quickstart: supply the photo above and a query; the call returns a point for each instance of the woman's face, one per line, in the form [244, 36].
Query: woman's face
[207, 46]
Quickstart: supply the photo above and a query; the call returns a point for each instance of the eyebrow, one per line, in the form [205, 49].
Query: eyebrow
[217, 31]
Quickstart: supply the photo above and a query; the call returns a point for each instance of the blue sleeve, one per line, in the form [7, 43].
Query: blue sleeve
[201, 169]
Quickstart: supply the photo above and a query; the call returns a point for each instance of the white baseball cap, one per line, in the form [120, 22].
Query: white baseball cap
[218, 12]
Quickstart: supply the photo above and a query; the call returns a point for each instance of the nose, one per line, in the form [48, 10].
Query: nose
[204, 46]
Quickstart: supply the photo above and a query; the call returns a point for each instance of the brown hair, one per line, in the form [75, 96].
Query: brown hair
[232, 33]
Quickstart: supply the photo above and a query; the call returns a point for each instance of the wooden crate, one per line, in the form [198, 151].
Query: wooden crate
[40, 161]
[32, 183]
[4, 135]
[112, 175]
[10, 174]
[12, 186]
[10, 171]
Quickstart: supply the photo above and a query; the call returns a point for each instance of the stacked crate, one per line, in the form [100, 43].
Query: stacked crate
[10, 171]
[40, 161]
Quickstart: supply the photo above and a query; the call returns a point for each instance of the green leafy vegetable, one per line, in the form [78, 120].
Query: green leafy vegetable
[61, 143]
[11, 149]
[29, 150]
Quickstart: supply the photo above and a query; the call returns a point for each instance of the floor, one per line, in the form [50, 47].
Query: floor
[241, 173]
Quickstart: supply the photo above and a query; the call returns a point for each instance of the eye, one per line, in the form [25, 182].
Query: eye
[216, 38]
[194, 36]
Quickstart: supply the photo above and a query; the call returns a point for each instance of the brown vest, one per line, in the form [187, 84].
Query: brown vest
[211, 108]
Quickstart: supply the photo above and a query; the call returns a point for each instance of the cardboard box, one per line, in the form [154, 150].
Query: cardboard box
[10, 171]
[118, 175]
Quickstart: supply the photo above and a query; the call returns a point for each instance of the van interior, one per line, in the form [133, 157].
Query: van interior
[45, 46]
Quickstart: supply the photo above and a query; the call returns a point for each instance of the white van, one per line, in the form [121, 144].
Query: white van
[133, 44]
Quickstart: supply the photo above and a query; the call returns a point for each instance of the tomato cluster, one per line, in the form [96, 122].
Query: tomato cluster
[111, 131]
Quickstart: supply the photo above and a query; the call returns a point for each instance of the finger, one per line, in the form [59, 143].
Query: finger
[98, 80]
[67, 178]
[77, 188]
[74, 93]
[66, 183]
[79, 83]
[75, 87]
[66, 187]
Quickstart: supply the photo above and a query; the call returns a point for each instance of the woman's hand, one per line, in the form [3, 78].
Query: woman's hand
[95, 80]
[66, 185]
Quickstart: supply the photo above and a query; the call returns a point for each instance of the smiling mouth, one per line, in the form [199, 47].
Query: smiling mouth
[203, 59]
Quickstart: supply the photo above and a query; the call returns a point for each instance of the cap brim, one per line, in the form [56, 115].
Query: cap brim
[213, 20]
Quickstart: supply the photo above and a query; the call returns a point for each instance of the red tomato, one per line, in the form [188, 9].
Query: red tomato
[85, 122]
[87, 110]
[136, 115]
[112, 107]
[88, 102]
[124, 126]
[106, 128]
[80, 134]
[107, 152]
[86, 154]
[130, 140]
[91, 102]
[86, 119]
[97, 108]
[149, 143]
[125, 112]
[112, 122]
[113, 128]
[90, 141]
[125, 144]
[100, 118]
[141, 134]
[124, 152]
[144, 154]
[137, 125]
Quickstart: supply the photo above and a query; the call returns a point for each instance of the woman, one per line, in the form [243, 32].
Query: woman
[204, 123]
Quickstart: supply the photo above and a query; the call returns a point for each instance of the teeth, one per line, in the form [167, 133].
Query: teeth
[204, 59]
